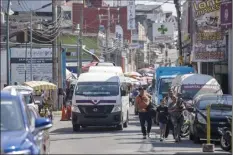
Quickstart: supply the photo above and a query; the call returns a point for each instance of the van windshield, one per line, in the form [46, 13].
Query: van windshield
[192, 90]
[165, 84]
[97, 89]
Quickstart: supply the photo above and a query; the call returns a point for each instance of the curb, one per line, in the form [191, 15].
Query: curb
[202, 153]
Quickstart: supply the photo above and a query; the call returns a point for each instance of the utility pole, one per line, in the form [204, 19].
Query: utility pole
[177, 6]
[232, 75]
[54, 53]
[78, 46]
[60, 86]
[7, 43]
[54, 43]
[80, 34]
[31, 76]
[107, 36]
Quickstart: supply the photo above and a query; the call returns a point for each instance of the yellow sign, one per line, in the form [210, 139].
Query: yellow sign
[207, 6]
[209, 36]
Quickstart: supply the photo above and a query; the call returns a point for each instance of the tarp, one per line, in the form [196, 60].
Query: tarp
[40, 85]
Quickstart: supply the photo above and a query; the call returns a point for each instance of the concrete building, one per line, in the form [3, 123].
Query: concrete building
[219, 66]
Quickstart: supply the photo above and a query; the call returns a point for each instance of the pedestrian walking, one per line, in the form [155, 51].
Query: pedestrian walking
[162, 118]
[142, 103]
[169, 96]
[175, 110]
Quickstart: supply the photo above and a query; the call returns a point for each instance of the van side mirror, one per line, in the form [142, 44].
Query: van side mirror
[123, 93]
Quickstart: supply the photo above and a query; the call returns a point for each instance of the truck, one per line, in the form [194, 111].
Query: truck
[162, 80]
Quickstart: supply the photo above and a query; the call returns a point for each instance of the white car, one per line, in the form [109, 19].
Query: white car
[27, 92]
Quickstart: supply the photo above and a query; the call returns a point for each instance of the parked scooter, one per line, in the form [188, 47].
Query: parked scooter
[225, 132]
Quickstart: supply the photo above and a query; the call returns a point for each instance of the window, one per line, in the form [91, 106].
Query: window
[11, 115]
[224, 102]
[97, 89]
[165, 84]
[28, 99]
[190, 91]
[125, 87]
[67, 15]
[29, 117]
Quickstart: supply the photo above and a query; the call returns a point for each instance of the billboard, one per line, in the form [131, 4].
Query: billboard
[209, 42]
[163, 32]
[41, 64]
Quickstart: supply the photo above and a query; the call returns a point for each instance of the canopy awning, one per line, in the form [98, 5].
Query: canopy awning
[40, 85]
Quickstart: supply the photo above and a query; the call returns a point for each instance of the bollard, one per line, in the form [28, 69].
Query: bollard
[208, 147]
[208, 124]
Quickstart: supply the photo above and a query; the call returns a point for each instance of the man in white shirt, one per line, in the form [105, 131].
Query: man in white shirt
[169, 97]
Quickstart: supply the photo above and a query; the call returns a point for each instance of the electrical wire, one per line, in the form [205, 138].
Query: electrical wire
[50, 40]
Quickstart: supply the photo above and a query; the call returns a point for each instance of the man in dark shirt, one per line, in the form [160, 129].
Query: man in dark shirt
[162, 118]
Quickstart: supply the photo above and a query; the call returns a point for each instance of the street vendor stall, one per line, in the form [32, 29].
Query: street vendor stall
[37, 86]
[47, 89]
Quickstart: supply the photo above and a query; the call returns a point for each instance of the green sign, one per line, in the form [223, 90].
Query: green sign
[162, 29]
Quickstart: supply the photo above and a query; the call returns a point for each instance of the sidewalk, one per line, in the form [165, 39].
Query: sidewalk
[57, 113]
[203, 153]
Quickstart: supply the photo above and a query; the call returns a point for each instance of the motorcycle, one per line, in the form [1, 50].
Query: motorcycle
[225, 132]
[185, 129]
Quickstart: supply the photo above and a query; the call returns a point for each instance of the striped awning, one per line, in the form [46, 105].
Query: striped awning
[40, 85]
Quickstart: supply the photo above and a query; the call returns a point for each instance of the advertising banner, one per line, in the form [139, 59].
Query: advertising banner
[119, 35]
[41, 64]
[209, 44]
[226, 14]
[131, 25]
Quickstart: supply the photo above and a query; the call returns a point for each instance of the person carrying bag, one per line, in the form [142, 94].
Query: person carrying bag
[143, 106]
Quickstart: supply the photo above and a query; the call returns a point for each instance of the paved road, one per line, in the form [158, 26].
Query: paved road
[110, 141]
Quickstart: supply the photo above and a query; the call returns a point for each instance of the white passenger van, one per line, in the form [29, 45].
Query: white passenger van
[192, 85]
[100, 99]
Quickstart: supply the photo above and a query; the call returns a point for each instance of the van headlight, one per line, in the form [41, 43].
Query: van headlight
[116, 108]
[75, 108]
[201, 119]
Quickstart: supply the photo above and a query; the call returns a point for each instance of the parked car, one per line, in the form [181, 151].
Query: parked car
[44, 133]
[27, 93]
[20, 132]
[220, 109]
